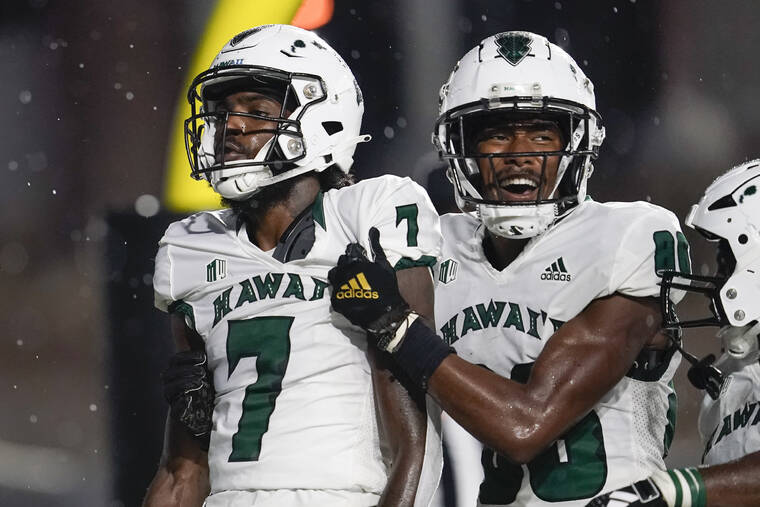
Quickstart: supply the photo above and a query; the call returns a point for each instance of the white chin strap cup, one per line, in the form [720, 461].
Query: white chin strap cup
[740, 342]
[515, 221]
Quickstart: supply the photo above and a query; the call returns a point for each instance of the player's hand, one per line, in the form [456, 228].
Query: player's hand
[645, 493]
[703, 375]
[189, 390]
[366, 292]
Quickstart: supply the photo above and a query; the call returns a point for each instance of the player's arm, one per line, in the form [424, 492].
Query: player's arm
[182, 476]
[733, 484]
[581, 362]
[402, 415]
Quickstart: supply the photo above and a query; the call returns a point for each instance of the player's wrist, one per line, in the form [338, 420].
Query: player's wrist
[681, 487]
[391, 339]
[420, 351]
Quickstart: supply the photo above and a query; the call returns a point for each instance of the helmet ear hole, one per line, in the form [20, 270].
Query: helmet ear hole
[332, 127]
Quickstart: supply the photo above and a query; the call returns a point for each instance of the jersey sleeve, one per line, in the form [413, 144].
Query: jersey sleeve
[410, 231]
[653, 242]
[169, 287]
[165, 296]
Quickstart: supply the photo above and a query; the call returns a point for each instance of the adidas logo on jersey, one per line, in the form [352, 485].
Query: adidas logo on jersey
[557, 272]
[357, 288]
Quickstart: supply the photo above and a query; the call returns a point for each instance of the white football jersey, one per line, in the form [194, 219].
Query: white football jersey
[730, 425]
[502, 320]
[294, 407]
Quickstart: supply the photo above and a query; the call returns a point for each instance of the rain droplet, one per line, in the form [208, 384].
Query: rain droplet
[19, 342]
[93, 407]
[389, 132]
[12, 165]
[25, 96]
[615, 10]
[81, 66]
[129, 95]
[355, 54]
[147, 205]
[484, 18]
[117, 86]
[33, 419]
[558, 6]
[54, 192]
[401, 122]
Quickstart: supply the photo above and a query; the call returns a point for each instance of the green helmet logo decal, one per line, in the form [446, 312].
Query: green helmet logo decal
[513, 46]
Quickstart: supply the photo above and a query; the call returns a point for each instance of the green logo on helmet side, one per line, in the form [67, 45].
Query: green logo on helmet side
[513, 47]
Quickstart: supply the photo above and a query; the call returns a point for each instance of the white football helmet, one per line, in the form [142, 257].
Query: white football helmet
[729, 214]
[521, 74]
[309, 76]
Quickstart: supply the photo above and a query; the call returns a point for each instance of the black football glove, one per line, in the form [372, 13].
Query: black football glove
[189, 390]
[703, 375]
[642, 493]
[366, 292]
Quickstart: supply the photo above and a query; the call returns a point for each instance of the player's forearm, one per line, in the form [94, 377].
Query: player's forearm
[496, 411]
[735, 484]
[403, 479]
[403, 426]
[182, 478]
[176, 485]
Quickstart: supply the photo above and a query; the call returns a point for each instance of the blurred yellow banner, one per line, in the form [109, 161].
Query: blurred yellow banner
[229, 17]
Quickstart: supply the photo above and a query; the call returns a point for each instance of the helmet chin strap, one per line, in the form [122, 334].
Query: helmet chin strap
[258, 177]
[740, 342]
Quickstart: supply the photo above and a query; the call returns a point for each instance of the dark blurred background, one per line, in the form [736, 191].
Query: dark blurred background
[89, 89]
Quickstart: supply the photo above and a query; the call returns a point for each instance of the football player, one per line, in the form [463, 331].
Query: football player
[728, 214]
[548, 297]
[274, 125]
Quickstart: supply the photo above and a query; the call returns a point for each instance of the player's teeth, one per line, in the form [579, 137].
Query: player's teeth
[521, 181]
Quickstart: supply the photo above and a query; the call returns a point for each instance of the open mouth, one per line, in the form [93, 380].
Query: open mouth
[233, 152]
[518, 188]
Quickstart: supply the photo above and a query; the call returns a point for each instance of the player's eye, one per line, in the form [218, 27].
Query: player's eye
[543, 137]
